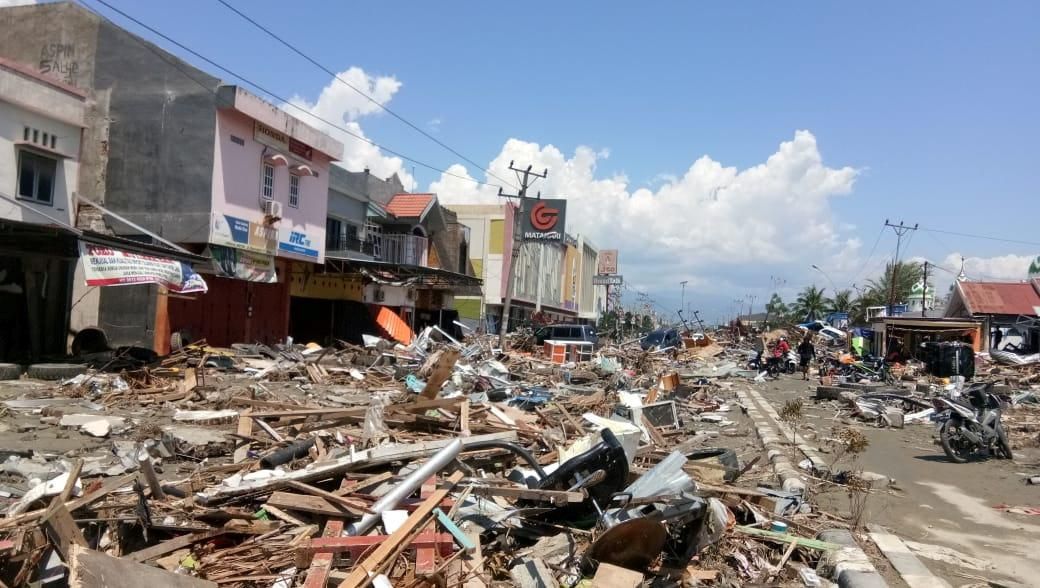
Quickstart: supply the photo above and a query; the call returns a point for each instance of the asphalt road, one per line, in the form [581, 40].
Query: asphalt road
[935, 501]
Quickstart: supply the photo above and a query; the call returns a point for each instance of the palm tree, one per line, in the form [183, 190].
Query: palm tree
[842, 301]
[811, 302]
[776, 310]
[903, 274]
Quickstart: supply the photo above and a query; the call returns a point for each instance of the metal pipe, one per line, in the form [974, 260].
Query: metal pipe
[436, 463]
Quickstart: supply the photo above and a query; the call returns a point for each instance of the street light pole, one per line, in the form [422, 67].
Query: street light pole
[682, 304]
[829, 280]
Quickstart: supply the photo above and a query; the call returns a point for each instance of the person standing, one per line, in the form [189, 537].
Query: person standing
[806, 353]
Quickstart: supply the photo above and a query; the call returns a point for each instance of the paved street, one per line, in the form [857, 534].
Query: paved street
[935, 501]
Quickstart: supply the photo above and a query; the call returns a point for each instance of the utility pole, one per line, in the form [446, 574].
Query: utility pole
[682, 304]
[924, 289]
[900, 230]
[525, 183]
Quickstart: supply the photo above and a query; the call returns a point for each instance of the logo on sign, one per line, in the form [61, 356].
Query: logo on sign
[299, 239]
[543, 217]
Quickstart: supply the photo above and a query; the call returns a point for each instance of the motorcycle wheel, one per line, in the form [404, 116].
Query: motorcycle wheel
[1005, 445]
[951, 445]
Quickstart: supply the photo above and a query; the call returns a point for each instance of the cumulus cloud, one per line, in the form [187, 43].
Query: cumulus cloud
[1001, 267]
[340, 105]
[690, 225]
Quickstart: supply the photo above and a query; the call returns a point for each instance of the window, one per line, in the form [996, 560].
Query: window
[267, 182]
[333, 227]
[294, 190]
[36, 177]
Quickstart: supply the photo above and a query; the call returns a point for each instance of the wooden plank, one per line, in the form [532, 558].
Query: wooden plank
[190, 381]
[464, 418]
[787, 538]
[321, 565]
[282, 515]
[655, 435]
[611, 576]
[421, 406]
[311, 504]
[245, 428]
[61, 529]
[268, 429]
[358, 507]
[92, 569]
[378, 558]
[172, 545]
[442, 370]
[70, 484]
[356, 546]
[425, 557]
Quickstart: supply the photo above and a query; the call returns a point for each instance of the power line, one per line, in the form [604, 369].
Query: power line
[969, 235]
[871, 255]
[336, 76]
[266, 91]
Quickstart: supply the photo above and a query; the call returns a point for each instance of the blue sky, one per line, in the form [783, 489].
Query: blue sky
[932, 104]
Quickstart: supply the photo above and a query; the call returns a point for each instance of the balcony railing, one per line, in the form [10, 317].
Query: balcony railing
[403, 249]
[340, 245]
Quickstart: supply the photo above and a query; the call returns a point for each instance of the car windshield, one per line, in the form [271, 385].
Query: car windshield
[655, 337]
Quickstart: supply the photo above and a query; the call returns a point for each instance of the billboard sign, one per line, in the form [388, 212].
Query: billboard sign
[607, 262]
[543, 220]
[607, 280]
[104, 266]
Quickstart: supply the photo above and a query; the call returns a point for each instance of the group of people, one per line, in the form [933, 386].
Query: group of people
[806, 352]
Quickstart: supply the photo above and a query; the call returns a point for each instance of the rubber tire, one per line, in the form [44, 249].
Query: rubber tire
[1004, 444]
[947, 449]
[55, 371]
[727, 458]
[10, 371]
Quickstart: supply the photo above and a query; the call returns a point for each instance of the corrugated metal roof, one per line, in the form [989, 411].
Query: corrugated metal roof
[409, 205]
[1019, 298]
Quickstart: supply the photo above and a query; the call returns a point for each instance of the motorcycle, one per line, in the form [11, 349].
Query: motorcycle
[967, 428]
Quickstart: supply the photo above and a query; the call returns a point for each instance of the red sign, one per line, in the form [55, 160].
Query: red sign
[301, 149]
[543, 217]
[543, 220]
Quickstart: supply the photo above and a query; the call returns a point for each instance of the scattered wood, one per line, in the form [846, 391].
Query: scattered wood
[92, 569]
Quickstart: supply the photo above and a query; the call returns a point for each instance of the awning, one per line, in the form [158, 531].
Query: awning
[393, 325]
[401, 274]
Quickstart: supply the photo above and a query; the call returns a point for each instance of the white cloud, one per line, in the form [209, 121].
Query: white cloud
[434, 124]
[6, 3]
[342, 106]
[1001, 267]
[696, 223]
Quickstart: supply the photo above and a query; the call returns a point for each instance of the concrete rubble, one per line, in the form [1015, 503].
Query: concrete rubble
[434, 464]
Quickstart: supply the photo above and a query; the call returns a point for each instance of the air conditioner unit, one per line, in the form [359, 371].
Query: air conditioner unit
[379, 295]
[272, 209]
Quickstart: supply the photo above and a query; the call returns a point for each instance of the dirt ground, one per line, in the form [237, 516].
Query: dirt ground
[935, 501]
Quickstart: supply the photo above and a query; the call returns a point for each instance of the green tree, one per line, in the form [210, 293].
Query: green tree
[842, 301]
[648, 323]
[903, 275]
[776, 311]
[811, 301]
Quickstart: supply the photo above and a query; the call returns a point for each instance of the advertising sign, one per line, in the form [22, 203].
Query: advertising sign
[243, 265]
[543, 220]
[299, 244]
[272, 138]
[239, 233]
[104, 266]
[607, 262]
[607, 280]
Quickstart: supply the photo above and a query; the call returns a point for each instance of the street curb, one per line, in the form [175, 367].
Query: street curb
[849, 566]
[913, 572]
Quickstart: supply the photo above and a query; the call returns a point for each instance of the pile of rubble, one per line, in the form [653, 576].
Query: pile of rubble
[441, 463]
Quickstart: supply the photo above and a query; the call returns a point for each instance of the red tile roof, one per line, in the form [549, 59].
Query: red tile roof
[1000, 298]
[409, 205]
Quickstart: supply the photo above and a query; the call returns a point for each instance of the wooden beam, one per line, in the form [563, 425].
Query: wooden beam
[61, 529]
[442, 370]
[321, 565]
[354, 505]
[92, 569]
[378, 558]
[172, 545]
[245, 428]
[311, 504]
[551, 496]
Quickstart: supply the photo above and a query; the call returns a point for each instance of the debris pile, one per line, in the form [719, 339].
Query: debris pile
[440, 463]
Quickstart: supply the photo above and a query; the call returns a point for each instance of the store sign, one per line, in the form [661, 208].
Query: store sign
[607, 262]
[239, 233]
[607, 280]
[298, 243]
[543, 220]
[272, 138]
[243, 265]
[300, 149]
[104, 266]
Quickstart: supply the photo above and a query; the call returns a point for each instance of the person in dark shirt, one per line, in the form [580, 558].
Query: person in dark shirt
[806, 353]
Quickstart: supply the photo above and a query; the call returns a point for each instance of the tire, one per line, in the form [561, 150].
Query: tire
[10, 371]
[946, 439]
[1004, 444]
[727, 458]
[55, 371]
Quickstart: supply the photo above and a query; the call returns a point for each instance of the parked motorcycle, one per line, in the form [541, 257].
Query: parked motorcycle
[966, 428]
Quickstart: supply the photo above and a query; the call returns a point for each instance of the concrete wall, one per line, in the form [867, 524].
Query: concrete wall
[16, 92]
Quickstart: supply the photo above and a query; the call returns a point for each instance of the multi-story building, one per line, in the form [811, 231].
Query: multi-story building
[181, 155]
[553, 279]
